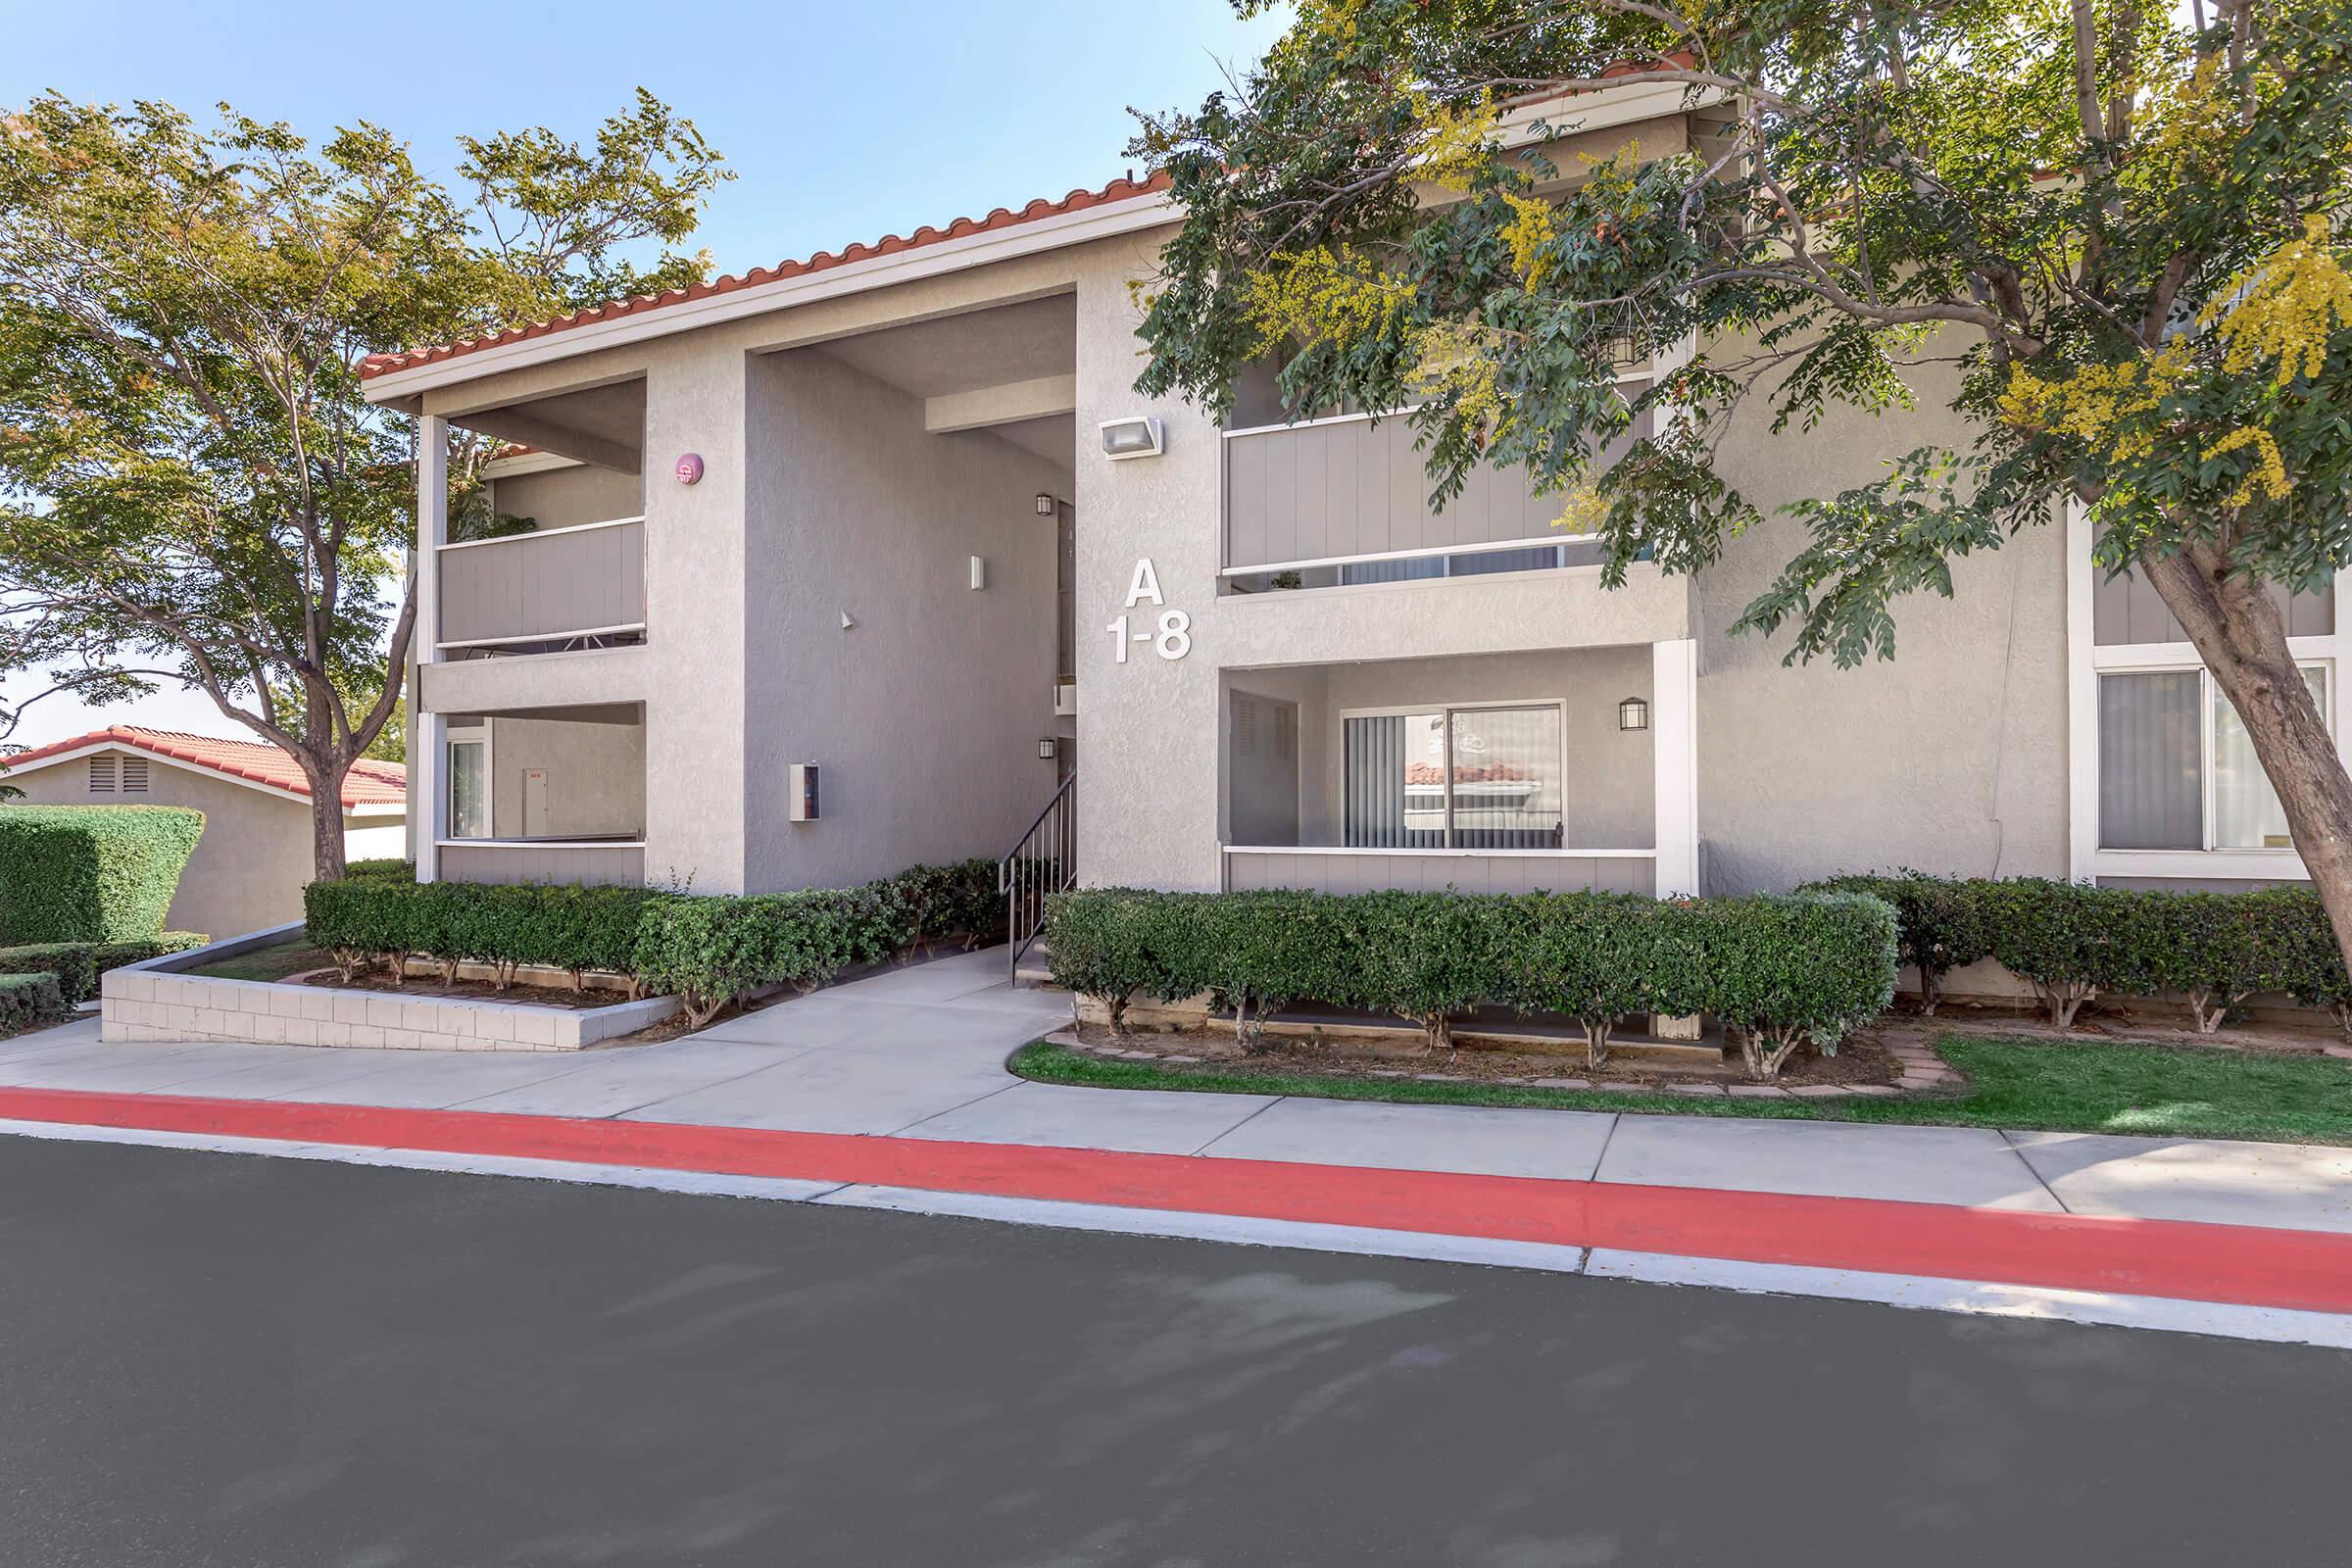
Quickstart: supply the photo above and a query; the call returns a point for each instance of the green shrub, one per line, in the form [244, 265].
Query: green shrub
[1779, 969]
[1600, 958]
[2067, 939]
[713, 951]
[2214, 948]
[91, 873]
[384, 919]
[1106, 944]
[1426, 957]
[395, 870]
[1940, 924]
[29, 1002]
[956, 902]
[78, 964]
[2301, 955]
[1252, 952]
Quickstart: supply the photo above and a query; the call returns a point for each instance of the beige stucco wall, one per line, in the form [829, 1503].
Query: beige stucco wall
[595, 776]
[559, 498]
[924, 717]
[249, 867]
[1950, 757]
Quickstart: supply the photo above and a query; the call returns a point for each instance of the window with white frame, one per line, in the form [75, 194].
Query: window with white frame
[470, 784]
[1489, 777]
[2177, 768]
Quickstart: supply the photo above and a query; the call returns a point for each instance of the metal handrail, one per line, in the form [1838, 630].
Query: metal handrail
[1042, 863]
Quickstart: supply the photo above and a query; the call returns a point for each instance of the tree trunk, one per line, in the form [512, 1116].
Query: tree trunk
[2237, 630]
[327, 827]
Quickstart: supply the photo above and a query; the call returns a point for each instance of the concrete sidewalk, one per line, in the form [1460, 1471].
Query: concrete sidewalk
[920, 1053]
[917, 1054]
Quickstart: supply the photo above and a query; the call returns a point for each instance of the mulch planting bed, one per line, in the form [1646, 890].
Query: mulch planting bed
[423, 988]
[1862, 1063]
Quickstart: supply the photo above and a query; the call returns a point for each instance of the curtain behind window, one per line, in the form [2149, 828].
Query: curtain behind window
[2151, 776]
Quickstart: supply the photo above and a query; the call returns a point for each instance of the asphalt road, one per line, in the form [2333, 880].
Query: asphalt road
[227, 1359]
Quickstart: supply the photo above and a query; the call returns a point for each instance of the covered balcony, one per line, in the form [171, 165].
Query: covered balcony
[1490, 774]
[549, 555]
[544, 794]
[1344, 502]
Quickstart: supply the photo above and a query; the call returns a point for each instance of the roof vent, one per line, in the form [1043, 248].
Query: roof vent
[102, 776]
[134, 776]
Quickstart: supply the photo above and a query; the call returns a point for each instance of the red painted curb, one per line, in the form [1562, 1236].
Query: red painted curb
[2237, 1264]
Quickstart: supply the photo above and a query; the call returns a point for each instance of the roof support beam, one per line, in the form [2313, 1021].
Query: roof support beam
[529, 430]
[1008, 404]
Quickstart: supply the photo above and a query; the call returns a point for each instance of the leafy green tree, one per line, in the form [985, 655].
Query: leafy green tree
[192, 490]
[2117, 218]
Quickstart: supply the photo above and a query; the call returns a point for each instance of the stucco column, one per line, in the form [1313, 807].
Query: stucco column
[698, 708]
[427, 795]
[1674, 751]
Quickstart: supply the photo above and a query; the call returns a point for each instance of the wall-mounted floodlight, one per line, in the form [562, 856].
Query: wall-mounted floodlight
[1140, 436]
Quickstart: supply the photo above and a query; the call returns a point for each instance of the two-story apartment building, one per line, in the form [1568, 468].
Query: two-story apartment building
[899, 514]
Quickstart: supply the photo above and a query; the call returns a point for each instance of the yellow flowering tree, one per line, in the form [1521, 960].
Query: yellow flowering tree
[2128, 223]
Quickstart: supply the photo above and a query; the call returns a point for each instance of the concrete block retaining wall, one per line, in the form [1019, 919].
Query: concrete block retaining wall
[151, 1000]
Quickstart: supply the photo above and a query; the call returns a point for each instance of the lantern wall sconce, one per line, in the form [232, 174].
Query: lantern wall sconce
[1633, 714]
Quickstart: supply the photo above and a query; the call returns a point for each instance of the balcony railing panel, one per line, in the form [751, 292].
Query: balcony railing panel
[532, 589]
[1345, 488]
[1249, 869]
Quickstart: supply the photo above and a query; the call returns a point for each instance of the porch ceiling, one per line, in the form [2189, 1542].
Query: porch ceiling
[604, 426]
[951, 354]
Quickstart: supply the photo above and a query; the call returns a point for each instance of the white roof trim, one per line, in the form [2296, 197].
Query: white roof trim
[9, 769]
[1099, 221]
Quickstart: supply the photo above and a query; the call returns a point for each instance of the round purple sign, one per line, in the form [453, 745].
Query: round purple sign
[690, 467]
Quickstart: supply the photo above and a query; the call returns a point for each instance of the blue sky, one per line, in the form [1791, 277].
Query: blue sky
[844, 122]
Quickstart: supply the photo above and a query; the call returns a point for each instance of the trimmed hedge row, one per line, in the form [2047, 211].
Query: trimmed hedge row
[1779, 969]
[29, 1002]
[2073, 941]
[91, 873]
[708, 951]
[78, 964]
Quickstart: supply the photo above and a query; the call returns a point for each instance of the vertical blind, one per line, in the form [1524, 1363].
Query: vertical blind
[2151, 769]
[1500, 769]
[2154, 762]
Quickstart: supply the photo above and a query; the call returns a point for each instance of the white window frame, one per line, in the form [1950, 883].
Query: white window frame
[453, 737]
[1559, 705]
[2088, 660]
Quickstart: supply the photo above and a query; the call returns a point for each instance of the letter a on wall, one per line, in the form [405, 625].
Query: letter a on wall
[1146, 585]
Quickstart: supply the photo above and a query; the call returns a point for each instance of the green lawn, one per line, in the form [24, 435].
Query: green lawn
[2028, 1085]
[275, 962]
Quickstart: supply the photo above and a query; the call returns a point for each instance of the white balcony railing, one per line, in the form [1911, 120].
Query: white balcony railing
[544, 591]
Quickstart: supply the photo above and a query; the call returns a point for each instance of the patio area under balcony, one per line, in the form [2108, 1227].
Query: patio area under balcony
[1493, 773]
[544, 794]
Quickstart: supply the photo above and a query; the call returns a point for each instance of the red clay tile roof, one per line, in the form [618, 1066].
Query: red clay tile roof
[377, 365]
[369, 783]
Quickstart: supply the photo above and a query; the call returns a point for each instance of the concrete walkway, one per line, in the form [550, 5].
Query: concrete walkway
[920, 1053]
